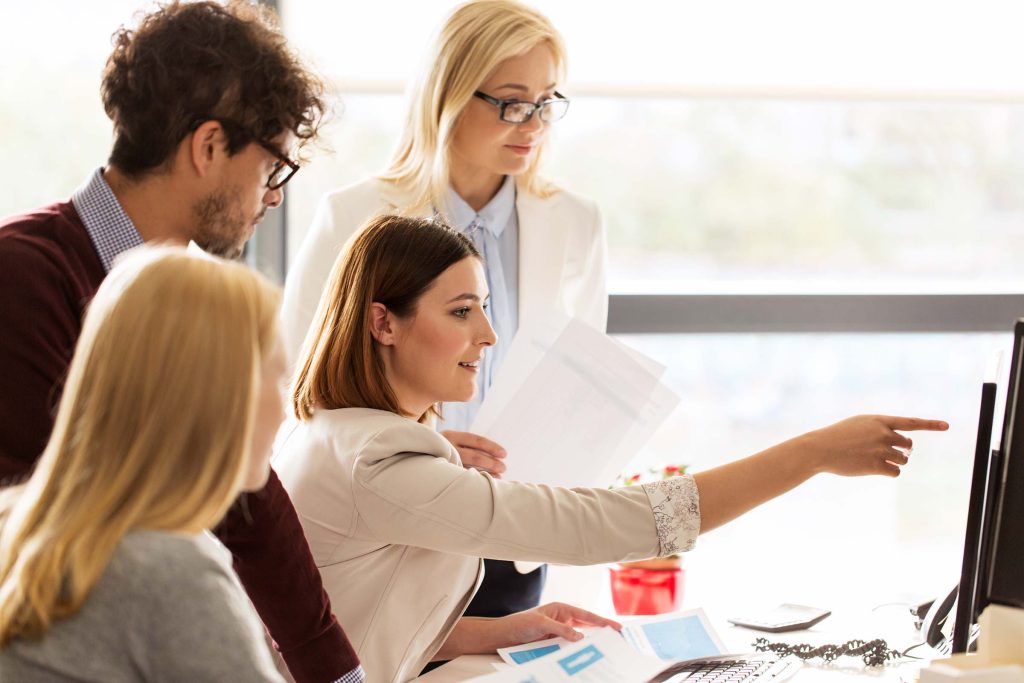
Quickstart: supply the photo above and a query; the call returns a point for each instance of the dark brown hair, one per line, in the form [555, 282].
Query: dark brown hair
[192, 62]
[393, 260]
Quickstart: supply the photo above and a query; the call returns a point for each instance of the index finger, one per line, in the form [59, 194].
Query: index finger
[481, 461]
[582, 616]
[477, 442]
[913, 424]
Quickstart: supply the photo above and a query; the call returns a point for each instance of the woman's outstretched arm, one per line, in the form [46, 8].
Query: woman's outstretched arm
[856, 446]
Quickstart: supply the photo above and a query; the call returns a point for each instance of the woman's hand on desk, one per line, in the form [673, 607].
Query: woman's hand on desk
[478, 635]
[477, 452]
[548, 621]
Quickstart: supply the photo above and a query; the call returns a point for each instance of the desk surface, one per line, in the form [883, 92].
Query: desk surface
[894, 625]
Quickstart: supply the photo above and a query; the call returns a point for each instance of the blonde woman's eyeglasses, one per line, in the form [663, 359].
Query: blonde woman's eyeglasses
[518, 111]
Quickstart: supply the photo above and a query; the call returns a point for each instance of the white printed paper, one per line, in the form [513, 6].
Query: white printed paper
[646, 648]
[518, 655]
[571, 405]
[602, 657]
[675, 636]
[669, 637]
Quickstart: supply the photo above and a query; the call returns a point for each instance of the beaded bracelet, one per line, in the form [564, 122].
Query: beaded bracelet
[874, 653]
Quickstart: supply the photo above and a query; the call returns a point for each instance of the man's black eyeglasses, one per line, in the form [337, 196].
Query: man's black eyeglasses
[284, 168]
[518, 111]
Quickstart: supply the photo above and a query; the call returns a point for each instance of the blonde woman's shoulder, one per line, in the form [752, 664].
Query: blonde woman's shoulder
[339, 215]
[370, 196]
[558, 198]
[163, 594]
[163, 553]
[149, 565]
[366, 189]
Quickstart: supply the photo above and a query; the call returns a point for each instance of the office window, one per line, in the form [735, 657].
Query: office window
[743, 393]
[798, 197]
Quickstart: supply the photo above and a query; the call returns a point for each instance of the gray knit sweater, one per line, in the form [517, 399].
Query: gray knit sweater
[168, 608]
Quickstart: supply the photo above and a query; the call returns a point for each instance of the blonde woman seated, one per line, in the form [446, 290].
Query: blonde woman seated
[397, 526]
[169, 411]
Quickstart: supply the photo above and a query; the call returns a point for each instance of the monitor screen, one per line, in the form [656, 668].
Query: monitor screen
[1003, 578]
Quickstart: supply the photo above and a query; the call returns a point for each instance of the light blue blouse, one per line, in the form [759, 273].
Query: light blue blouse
[495, 232]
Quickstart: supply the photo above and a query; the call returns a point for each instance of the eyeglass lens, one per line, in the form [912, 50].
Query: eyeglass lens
[521, 112]
[278, 176]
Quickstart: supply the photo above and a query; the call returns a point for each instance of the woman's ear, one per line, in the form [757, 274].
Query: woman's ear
[380, 324]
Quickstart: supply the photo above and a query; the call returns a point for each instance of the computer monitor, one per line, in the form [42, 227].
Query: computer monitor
[978, 520]
[1003, 577]
[993, 562]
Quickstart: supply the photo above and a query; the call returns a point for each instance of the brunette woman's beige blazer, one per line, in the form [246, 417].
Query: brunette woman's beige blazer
[397, 528]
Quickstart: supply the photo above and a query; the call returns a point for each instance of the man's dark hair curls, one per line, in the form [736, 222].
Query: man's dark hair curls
[192, 62]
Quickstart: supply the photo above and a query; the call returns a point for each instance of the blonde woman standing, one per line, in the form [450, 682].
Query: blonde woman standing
[171, 404]
[475, 133]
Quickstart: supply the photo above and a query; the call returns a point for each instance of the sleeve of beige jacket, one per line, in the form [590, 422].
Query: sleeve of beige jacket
[427, 501]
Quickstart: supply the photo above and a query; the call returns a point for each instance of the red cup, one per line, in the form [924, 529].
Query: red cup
[639, 590]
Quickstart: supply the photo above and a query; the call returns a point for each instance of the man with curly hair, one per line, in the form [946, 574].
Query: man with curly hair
[208, 106]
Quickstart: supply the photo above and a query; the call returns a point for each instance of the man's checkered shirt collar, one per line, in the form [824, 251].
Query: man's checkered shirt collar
[109, 227]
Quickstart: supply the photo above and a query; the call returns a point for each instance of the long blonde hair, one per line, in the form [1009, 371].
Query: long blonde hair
[153, 430]
[472, 42]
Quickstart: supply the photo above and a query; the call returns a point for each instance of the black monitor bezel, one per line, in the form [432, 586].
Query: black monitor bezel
[978, 522]
[1008, 472]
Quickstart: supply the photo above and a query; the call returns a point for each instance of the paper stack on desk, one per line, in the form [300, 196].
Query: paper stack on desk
[645, 649]
[571, 405]
[667, 637]
[602, 657]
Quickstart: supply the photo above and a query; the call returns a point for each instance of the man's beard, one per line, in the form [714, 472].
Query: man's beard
[220, 229]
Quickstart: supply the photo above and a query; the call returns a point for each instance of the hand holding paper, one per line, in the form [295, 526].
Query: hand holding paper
[477, 452]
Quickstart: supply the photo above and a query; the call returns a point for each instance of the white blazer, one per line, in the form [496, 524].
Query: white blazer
[562, 254]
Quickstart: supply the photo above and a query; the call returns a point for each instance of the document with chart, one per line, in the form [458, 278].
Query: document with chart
[645, 649]
[601, 657]
[668, 637]
[571, 405]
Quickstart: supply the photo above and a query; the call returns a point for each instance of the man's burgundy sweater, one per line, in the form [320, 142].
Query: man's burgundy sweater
[49, 270]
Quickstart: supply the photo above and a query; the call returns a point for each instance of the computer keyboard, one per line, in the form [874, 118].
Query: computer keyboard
[740, 670]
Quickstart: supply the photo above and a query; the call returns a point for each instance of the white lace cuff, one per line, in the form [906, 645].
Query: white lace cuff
[676, 507]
